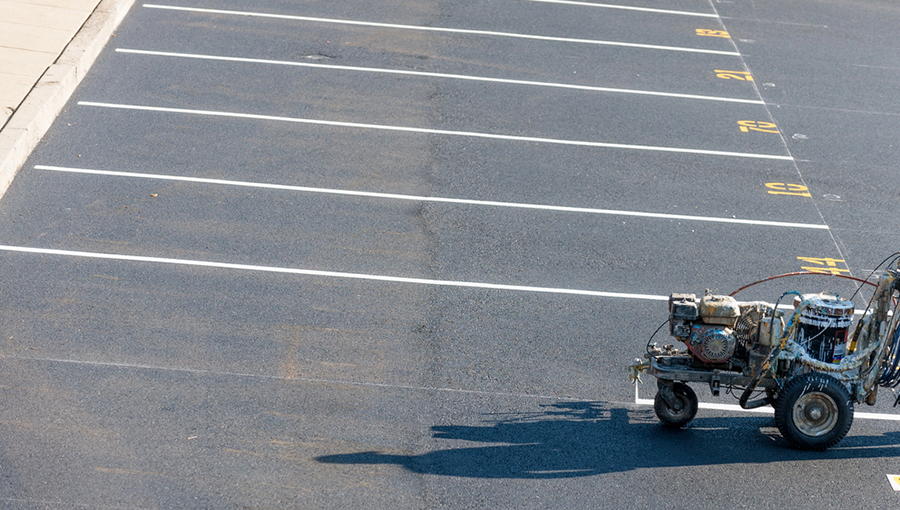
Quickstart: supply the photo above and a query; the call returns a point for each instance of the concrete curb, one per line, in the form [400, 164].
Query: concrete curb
[37, 112]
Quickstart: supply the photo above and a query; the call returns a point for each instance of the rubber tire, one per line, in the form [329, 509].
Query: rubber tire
[816, 388]
[672, 418]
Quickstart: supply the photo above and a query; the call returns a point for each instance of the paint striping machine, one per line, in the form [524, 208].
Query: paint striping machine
[812, 364]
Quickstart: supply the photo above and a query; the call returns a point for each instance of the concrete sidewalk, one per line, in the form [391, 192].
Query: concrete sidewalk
[46, 47]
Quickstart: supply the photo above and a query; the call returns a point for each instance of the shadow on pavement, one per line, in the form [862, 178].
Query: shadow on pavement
[573, 439]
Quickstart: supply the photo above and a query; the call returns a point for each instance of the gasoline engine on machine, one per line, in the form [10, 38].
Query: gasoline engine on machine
[807, 359]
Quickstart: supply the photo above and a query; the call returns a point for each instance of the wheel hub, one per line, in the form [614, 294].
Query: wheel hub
[815, 414]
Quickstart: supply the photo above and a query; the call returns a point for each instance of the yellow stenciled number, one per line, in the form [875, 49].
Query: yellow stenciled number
[823, 265]
[733, 75]
[713, 33]
[752, 125]
[781, 188]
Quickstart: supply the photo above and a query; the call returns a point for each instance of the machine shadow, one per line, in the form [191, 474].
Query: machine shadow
[575, 439]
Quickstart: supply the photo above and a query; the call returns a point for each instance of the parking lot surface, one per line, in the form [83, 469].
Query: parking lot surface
[399, 254]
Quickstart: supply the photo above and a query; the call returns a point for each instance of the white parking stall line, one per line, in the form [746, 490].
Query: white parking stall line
[627, 8]
[763, 410]
[338, 274]
[423, 74]
[407, 129]
[441, 29]
[327, 274]
[445, 200]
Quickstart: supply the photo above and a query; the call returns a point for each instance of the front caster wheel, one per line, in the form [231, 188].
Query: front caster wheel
[813, 411]
[683, 410]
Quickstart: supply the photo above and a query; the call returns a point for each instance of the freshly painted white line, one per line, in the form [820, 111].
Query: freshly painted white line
[416, 198]
[440, 29]
[628, 8]
[876, 416]
[769, 410]
[342, 382]
[331, 274]
[435, 131]
[717, 407]
[442, 75]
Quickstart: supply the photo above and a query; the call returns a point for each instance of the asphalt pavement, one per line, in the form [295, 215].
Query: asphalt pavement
[399, 254]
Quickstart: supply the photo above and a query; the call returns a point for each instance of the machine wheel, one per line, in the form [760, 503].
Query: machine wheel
[813, 411]
[679, 416]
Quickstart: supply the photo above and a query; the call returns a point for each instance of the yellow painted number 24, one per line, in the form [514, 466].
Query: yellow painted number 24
[782, 188]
